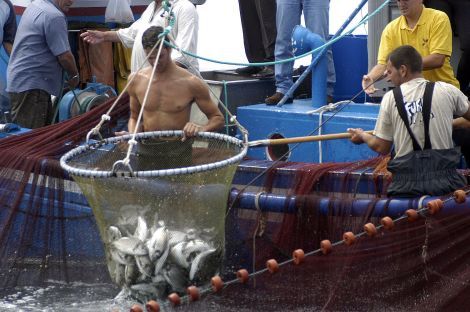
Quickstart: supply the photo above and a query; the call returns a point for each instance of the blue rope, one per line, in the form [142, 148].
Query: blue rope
[327, 44]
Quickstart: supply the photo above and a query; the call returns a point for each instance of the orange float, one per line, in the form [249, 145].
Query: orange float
[434, 206]
[387, 223]
[370, 229]
[242, 276]
[325, 246]
[298, 256]
[412, 215]
[349, 238]
[460, 196]
[193, 293]
[175, 299]
[272, 266]
[152, 306]
[136, 308]
[217, 283]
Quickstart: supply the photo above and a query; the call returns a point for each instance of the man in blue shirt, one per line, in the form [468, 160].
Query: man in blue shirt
[7, 35]
[41, 52]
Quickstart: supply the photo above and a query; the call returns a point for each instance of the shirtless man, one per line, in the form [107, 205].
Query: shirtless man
[172, 91]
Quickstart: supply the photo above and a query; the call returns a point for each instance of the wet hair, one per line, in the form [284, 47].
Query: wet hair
[150, 37]
[408, 56]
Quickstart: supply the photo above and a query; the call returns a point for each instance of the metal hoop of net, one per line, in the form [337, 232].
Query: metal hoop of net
[161, 214]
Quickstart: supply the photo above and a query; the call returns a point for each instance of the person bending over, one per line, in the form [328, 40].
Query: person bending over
[416, 117]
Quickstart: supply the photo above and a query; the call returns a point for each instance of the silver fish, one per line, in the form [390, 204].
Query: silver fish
[204, 265]
[119, 273]
[176, 277]
[141, 231]
[120, 257]
[145, 265]
[177, 255]
[113, 234]
[176, 237]
[130, 246]
[131, 273]
[161, 261]
[157, 243]
[194, 247]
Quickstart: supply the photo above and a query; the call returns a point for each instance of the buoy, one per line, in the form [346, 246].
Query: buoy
[152, 306]
[272, 266]
[217, 283]
[242, 276]
[325, 246]
[387, 223]
[460, 196]
[298, 256]
[193, 293]
[412, 215]
[434, 206]
[136, 308]
[175, 299]
[370, 229]
[349, 238]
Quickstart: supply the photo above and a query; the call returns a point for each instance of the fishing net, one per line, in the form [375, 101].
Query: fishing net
[419, 265]
[161, 211]
[47, 230]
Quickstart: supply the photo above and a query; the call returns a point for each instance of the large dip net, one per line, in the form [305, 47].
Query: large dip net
[160, 210]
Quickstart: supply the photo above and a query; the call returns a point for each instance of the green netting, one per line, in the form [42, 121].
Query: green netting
[161, 214]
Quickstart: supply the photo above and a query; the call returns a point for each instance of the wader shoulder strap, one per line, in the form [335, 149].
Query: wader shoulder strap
[427, 99]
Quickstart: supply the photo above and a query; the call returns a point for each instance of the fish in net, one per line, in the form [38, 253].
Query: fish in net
[161, 211]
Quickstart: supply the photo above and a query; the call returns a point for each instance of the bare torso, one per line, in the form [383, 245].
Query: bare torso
[169, 100]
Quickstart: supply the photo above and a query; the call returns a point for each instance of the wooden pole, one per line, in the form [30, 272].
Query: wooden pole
[310, 138]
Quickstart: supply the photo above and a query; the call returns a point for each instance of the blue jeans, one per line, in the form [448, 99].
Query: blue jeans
[316, 14]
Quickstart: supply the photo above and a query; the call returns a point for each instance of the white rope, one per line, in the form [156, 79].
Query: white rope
[325, 108]
[97, 128]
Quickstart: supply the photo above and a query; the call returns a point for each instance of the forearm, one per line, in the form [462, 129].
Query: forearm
[376, 72]
[67, 61]
[214, 124]
[374, 143]
[111, 36]
[433, 61]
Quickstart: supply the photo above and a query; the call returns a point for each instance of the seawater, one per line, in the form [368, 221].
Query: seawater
[59, 296]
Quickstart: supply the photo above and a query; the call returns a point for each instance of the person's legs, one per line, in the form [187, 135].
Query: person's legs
[287, 16]
[252, 38]
[31, 109]
[316, 13]
[266, 10]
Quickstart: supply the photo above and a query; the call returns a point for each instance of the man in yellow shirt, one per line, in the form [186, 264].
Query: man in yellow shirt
[428, 31]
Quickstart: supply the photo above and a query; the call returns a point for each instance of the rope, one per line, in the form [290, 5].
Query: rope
[327, 44]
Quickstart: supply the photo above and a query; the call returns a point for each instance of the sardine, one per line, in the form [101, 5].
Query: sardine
[161, 261]
[204, 265]
[157, 244]
[176, 278]
[193, 248]
[131, 273]
[141, 231]
[120, 257]
[177, 255]
[145, 265]
[113, 234]
[130, 246]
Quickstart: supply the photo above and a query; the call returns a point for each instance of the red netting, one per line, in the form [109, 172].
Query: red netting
[46, 230]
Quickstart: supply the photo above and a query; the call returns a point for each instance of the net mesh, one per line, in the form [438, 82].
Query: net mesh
[47, 230]
[162, 215]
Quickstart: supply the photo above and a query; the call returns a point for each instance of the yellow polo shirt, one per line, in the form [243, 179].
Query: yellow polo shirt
[432, 34]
